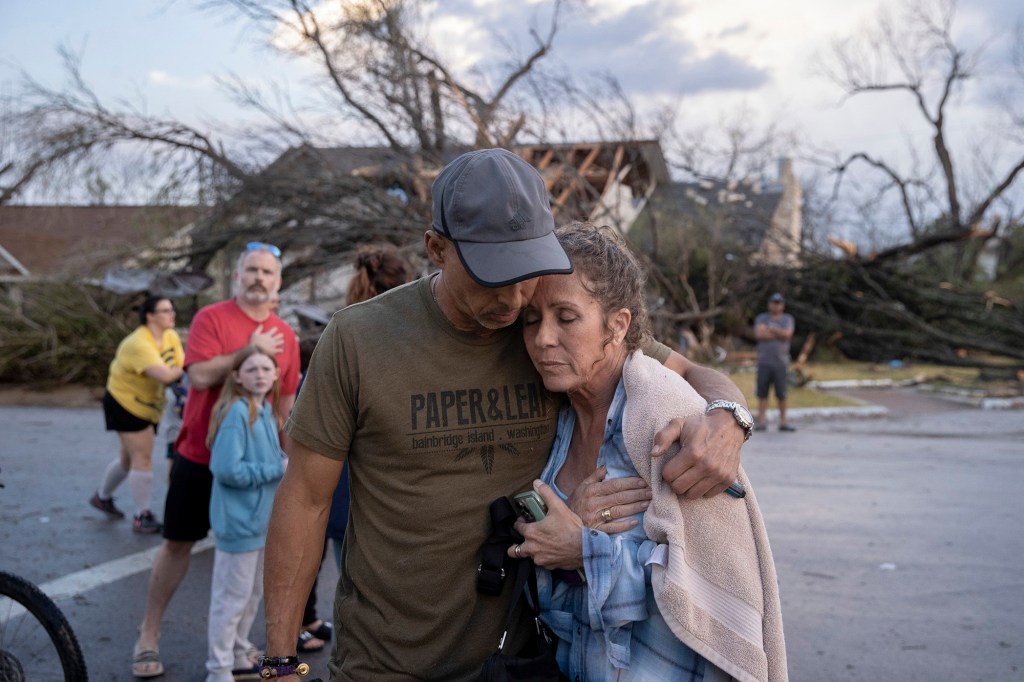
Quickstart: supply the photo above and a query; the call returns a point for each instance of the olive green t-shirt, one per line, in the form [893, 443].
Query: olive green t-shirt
[436, 424]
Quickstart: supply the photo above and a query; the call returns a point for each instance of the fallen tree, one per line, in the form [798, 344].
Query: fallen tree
[63, 333]
[883, 311]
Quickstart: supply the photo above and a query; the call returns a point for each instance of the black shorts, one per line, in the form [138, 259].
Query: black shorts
[187, 506]
[120, 419]
[772, 375]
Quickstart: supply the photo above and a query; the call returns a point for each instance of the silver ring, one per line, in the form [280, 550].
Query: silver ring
[518, 551]
[607, 515]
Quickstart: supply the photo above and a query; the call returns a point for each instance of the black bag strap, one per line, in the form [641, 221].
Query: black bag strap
[494, 560]
[525, 575]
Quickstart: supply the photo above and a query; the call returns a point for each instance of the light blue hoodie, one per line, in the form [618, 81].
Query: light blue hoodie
[247, 465]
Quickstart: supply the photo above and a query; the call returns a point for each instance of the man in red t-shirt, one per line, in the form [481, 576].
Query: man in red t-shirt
[217, 333]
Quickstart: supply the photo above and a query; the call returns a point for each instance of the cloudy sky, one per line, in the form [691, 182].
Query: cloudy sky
[710, 56]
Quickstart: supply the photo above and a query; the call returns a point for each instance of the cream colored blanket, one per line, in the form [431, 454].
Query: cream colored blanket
[714, 579]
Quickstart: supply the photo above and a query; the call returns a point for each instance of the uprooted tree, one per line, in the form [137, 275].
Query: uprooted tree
[918, 294]
[886, 311]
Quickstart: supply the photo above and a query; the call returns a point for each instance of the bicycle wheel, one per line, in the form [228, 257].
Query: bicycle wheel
[36, 642]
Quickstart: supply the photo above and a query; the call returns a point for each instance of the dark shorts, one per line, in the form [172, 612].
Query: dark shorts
[187, 507]
[120, 419]
[772, 375]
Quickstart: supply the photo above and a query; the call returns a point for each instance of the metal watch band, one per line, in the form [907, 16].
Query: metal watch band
[739, 413]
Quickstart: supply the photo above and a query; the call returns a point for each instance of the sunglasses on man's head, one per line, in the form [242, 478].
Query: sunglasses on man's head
[262, 246]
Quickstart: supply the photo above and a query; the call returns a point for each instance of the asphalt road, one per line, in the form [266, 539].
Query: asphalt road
[898, 542]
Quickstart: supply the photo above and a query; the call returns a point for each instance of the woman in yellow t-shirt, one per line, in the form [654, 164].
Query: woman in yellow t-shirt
[147, 360]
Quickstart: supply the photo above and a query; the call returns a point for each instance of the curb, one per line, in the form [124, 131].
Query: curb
[1002, 403]
[975, 398]
[963, 396]
[858, 383]
[814, 413]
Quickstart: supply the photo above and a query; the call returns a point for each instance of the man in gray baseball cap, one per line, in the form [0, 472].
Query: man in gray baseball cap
[494, 206]
[428, 393]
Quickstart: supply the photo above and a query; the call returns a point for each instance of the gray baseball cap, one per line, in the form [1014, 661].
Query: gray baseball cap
[493, 205]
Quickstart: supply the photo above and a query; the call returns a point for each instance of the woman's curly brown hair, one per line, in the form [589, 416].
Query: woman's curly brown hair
[610, 272]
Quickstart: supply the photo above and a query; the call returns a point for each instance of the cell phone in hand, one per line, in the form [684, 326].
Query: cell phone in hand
[529, 505]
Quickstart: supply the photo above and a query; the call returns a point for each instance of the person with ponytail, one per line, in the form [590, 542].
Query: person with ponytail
[146, 361]
[378, 267]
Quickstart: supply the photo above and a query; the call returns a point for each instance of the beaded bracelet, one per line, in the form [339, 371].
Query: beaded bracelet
[281, 666]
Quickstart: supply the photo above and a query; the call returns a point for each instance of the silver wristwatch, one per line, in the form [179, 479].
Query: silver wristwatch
[740, 414]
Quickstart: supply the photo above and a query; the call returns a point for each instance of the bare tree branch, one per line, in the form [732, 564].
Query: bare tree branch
[899, 182]
[309, 28]
[919, 56]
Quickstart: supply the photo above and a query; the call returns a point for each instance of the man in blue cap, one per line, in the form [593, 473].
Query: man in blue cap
[773, 331]
[428, 393]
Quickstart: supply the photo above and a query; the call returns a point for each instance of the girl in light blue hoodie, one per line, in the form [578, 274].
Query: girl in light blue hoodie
[247, 463]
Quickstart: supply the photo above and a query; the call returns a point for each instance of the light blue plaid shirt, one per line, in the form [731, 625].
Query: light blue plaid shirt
[610, 628]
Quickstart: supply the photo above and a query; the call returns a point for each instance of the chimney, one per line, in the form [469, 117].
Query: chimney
[785, 165]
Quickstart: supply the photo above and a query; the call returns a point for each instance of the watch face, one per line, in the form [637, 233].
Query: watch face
[743, 416]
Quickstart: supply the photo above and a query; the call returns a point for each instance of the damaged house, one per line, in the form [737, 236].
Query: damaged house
[318, 204]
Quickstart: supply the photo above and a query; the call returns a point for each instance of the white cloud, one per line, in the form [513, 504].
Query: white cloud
[769, 35]
[606, 10]
[465, 42]
[163, 78]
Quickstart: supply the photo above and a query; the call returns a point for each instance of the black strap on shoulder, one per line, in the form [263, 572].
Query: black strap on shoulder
[523, 569]
[494, 561]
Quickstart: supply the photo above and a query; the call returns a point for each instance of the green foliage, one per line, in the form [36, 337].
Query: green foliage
[61, 333]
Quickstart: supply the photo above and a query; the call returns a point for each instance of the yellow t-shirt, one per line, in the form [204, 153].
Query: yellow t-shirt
[127, 383]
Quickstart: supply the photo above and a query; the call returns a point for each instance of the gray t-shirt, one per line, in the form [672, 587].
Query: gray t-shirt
[774, 351]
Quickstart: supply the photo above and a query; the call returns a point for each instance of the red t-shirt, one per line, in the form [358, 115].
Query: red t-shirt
[219, 329]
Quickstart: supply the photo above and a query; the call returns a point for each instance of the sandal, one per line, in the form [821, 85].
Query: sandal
[308, 643]
[146, 663]
[323, 631]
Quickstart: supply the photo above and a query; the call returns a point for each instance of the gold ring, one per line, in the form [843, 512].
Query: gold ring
[518, 551]
[607, 515]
